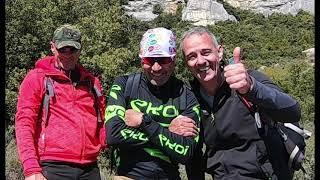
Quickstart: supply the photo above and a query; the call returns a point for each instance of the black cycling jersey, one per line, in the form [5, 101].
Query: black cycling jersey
[151, 152]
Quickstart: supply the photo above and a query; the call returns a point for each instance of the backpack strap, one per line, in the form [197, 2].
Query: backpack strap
[183, 99]
[132, 86]
[46, 100]
[303, 132]
[49, 93]
[253, 109]
[97, 94]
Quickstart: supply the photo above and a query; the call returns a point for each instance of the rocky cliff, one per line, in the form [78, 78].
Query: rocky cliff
[203, 12]
[142, 9]
[267, 7]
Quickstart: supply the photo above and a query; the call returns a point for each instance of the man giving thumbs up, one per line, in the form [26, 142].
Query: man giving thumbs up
[234, 149]
[236, 74]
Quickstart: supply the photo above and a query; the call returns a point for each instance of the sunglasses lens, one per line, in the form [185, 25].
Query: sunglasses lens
[159, 60]
[147, 60]
[166, 60]
[68, 49]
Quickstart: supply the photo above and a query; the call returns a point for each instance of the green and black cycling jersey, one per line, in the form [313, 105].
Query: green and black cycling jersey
[152, 151]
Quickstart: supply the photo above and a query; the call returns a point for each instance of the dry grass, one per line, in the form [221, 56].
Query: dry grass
[13, 167]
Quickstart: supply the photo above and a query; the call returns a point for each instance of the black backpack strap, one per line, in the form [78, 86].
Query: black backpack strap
[132, 86]
[183, 99]
[303, 132]
[48, 83]
[130, 92]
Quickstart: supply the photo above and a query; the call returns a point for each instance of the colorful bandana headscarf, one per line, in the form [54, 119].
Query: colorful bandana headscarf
[158, 42]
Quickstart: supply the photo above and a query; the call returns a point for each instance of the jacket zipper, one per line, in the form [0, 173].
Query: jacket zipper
[74, 104]
[43, 139]
[81, 123]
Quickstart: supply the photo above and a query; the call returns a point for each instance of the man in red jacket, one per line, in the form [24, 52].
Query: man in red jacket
[59, 129]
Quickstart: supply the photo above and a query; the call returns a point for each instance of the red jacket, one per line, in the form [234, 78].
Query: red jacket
[73, 133]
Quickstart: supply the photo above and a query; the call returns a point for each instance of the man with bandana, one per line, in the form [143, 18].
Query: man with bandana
[137, 122]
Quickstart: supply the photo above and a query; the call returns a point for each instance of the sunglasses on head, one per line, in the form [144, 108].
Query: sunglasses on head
[160, 60]
[68, 49]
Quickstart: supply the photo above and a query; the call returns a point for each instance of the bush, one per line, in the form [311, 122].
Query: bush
[13, 166]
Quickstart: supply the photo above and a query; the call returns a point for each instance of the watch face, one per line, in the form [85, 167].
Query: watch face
[146, 118]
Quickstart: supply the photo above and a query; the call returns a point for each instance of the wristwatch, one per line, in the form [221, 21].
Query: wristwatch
[146, 120]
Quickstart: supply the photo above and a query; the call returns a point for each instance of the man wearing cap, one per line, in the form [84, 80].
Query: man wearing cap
[59, 129]
[141, 107]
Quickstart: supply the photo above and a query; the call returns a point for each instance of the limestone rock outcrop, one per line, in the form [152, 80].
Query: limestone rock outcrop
[142, 9]
[267, 7]
[205, 12]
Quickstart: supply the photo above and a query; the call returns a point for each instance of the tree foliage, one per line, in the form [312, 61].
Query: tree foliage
[267, 41]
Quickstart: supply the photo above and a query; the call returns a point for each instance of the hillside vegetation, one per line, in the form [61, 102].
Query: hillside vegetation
[111, 42]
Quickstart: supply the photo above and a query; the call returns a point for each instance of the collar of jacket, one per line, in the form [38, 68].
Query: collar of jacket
[223, 93]
[47, 65]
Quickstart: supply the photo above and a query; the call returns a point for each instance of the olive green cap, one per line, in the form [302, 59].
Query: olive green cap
[67, 35]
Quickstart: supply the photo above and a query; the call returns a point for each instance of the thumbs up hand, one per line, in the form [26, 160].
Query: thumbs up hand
[236, 74]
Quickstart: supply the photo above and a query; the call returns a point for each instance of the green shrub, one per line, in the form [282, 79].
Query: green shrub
[13, 166]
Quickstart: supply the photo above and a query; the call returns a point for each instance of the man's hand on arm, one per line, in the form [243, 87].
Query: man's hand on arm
[180, 125]
[37, 176]
[184, 126]
[133, 118]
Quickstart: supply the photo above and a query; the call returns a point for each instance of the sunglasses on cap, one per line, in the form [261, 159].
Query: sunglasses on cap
[160, 60]
[68, 49]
